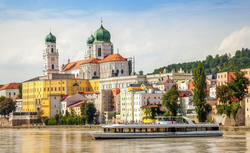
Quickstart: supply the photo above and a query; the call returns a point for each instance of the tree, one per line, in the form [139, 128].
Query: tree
[200, 93]
[83, 109]
[170, 99]
[7, 106]
[89, 112]
[222, 92]
[40, 113]
[2, 98]
[20, 88]
[239, 85]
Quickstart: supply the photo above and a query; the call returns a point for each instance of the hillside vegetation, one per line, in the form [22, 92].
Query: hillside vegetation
[213, 65]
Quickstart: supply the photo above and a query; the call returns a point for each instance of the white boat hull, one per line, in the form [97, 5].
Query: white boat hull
[100, 135]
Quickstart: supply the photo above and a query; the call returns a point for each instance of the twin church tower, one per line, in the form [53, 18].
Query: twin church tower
[99, 59]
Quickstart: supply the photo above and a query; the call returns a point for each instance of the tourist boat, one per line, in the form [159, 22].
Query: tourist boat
[164, 127]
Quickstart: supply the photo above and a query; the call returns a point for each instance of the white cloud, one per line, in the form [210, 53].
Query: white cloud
[235, 41]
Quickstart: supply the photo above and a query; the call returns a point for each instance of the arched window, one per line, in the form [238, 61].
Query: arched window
[121, 71]
[117, 71]
[99, 52]
[52, 66]
[95, 73]
[113, 71]
[51, 50]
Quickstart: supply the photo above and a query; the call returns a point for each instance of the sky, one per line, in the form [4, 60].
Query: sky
[157, 33]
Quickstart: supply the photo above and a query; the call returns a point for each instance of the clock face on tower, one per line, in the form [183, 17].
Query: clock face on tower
[52, 58]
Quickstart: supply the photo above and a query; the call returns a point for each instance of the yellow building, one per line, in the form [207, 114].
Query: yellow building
[76, 107]
[37, 91]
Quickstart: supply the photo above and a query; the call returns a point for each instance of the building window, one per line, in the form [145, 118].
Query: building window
[52, 50]
[246, 72]
[52, 66]
[99, 52]
[51, 89]
[14, 93]
[225, 76]
[55, 105]
[95, 73]
[121, 71]
[44, 89]
[63, 88]
[59, 89]
[55, 88]
[247, 100]
[117, 71]
[48, 89]
[9, 93]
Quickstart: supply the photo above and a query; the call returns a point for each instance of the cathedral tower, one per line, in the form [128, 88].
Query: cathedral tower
[99, 45]
[50, 55]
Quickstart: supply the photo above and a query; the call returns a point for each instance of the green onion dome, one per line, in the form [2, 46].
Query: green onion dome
[102, 35]
[50, 38]
[90, 40]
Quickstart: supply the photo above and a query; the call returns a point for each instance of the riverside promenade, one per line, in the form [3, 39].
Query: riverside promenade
[97, 127]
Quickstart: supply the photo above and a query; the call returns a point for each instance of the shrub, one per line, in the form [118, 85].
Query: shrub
[46, 121]
[52, 121]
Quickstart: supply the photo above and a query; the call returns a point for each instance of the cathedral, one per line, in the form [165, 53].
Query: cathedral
[99, 60]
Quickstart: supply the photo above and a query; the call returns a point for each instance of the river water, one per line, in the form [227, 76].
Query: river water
[78, 141]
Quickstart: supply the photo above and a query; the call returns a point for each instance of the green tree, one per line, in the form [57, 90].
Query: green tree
[40, 113]
[83, 106]
[170, 99]
[20, 88]
[200, 93]
[89, 112]
[222, 92]
[7, 106]
[2, 98]
[239, 85]
[72, 111]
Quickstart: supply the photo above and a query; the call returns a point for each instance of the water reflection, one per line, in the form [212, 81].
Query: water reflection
[78, 141]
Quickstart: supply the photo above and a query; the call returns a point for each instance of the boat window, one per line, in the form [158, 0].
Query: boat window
[111, 130]
[128, 130]
[180, 129]
[118, 130]
[212, 128]
[201, 129]
[149, 129]
[105, 130]
[140, 130]
[191, 129]
[161, 129]
[171, 130]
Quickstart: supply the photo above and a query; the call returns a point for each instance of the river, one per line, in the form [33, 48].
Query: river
[78, 141]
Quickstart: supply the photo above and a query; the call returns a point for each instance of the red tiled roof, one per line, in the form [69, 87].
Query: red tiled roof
[165, 80]
[1, 86]
[66, 98]
[113, 57]
[15, 98]
[185, 93]
[89, 92]
[74, 65]
[10, 86]
[77, 104]
[150, 106]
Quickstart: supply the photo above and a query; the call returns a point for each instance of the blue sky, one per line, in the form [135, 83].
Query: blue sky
[157, 33]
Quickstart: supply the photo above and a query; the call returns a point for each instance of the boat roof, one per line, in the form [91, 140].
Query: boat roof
[184, 125]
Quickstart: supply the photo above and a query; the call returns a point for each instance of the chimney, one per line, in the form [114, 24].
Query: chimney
[68, 60]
